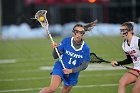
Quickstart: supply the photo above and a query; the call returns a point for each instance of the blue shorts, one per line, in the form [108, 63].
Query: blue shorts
[69, 80]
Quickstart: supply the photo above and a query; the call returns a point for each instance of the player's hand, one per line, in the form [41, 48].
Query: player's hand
[54, 44]
[67, 71]
[114, 63]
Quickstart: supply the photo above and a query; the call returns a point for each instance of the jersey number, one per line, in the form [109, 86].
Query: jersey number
[72, 62]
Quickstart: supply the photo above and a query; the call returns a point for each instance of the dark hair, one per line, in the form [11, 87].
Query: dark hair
[78, 25]
[90, 25]
[86, 27]
[129, 25]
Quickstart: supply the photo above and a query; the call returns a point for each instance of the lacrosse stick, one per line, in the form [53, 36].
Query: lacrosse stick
[95, 59]
[129, 68]
[41, 17]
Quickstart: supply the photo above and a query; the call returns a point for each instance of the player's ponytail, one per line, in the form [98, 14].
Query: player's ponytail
[86, 27]
[90, 25]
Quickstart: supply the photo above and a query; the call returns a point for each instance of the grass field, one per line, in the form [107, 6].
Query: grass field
[21, 62]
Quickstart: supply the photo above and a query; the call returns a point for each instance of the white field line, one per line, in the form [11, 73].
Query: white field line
[41, 78]
[101, 85]
[115, 74]
[23, 79]
[35, 59]
[46, 68]
[101, 67]
[20, 71]
[7, 61]
[80, 86]
[19, 90]
[91, 67]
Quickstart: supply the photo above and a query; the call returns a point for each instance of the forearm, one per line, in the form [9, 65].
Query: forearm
[55, 55]
[125, 61]
[83, 66]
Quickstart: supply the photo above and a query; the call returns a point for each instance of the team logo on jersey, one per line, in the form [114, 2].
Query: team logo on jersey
[131, 52]
[73, 54]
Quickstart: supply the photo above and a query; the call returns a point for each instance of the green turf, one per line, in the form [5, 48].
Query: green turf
[31, 54]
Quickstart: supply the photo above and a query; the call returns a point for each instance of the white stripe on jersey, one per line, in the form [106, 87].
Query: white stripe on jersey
[74, 47]
[133, 50]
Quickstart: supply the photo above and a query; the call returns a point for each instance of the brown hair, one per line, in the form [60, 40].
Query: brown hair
[129, 25]
[78, 25]
[90, 25]
[86, 27]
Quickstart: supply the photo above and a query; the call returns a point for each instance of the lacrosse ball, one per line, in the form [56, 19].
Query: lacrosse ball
[41, 18]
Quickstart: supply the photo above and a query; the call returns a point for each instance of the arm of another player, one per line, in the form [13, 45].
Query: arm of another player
[123, 62]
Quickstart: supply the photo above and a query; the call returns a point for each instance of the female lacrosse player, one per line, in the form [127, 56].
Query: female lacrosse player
[131, 47]
[75, 55]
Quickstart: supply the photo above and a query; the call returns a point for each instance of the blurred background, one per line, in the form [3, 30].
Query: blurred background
[26, 53]
[63, 14]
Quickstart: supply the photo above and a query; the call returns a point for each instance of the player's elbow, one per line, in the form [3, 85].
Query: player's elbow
[54, 54]
[85, 66]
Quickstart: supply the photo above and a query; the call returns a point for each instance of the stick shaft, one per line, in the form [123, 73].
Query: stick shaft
[130, 68]
[56, 49]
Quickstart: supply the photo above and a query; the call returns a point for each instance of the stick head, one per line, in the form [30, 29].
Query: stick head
[41, 17]
[40, 13]
[94, 58]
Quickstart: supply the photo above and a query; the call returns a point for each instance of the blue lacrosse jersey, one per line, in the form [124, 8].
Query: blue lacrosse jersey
[71, 58]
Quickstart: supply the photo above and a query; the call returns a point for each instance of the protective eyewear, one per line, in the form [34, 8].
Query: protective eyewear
[124, 33]
[77, 31]
[123, 30]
